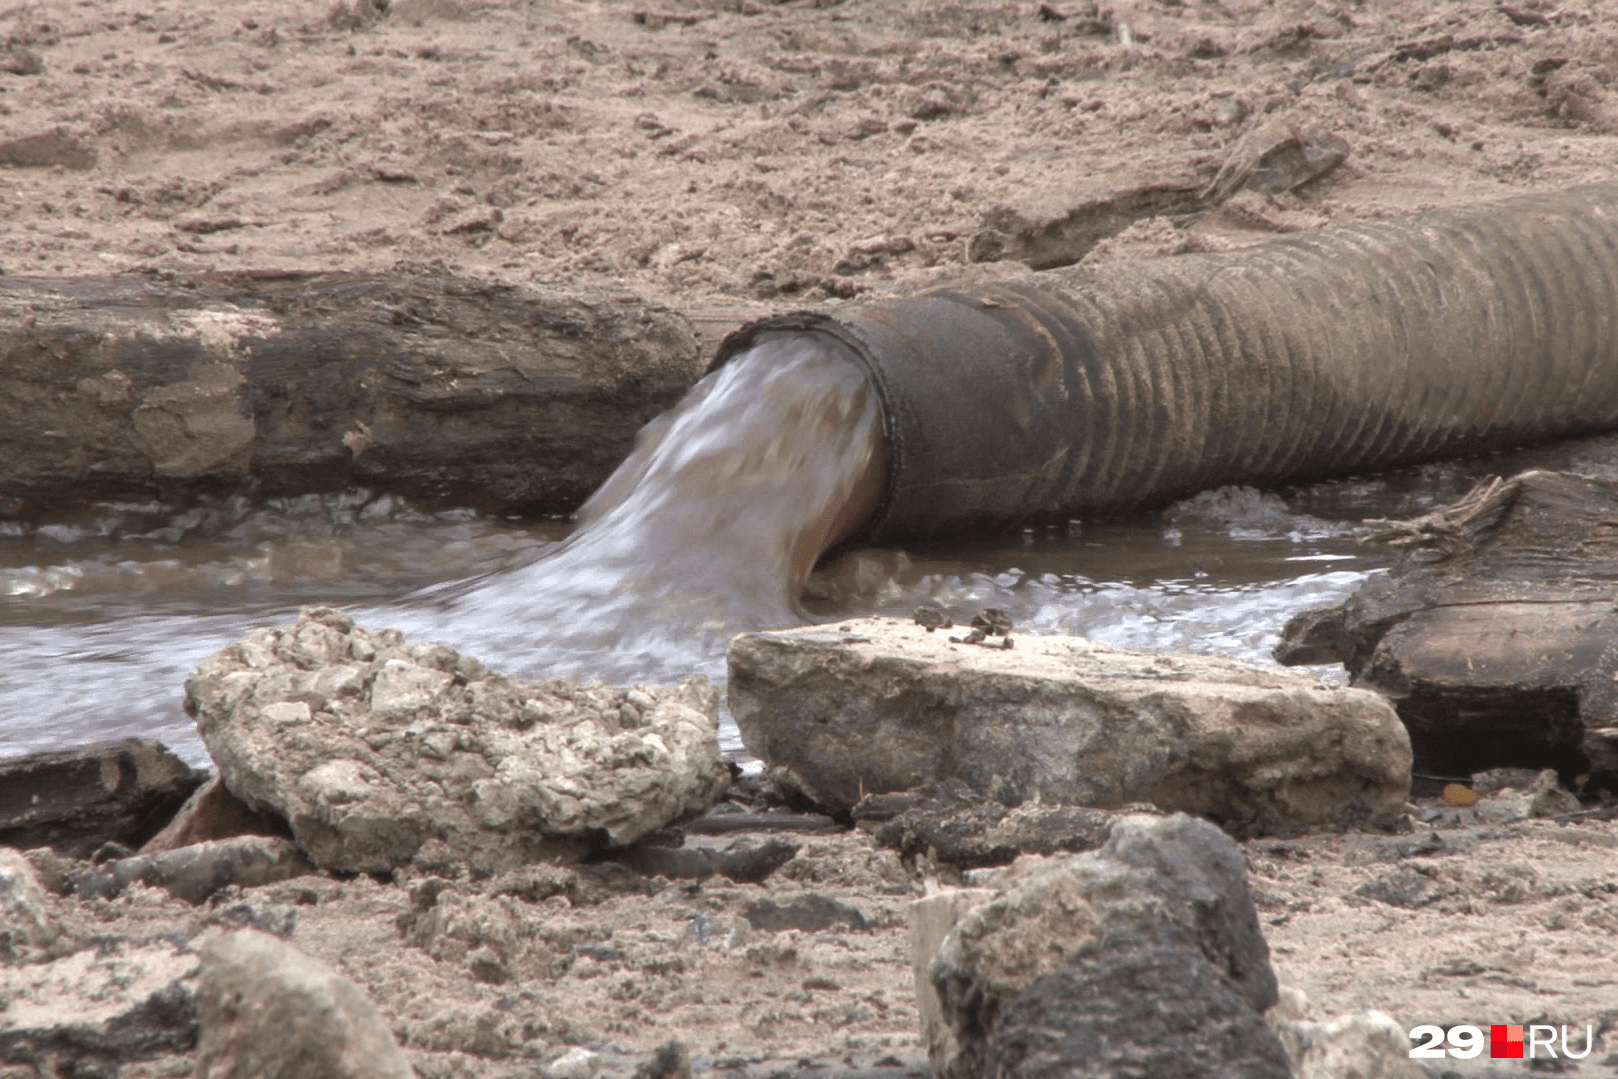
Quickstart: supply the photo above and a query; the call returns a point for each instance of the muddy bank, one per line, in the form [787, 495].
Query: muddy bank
[750, 153]
[130, 388]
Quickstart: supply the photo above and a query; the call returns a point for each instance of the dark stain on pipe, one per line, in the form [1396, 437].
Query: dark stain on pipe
[1352, 348]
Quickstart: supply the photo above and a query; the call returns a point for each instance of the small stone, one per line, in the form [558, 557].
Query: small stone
[809, 912]
[1366, 1043]
[576, 1063]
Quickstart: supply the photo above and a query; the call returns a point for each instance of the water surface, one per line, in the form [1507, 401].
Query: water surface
[104, 611]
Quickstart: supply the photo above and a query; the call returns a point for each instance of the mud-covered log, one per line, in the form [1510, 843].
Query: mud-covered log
[117, 387]
[1496, 634]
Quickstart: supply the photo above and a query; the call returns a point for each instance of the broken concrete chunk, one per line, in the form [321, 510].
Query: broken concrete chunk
[256, 990]
[371, 747]
[932, 918]
[28, 929]
[1144, 1000]
[876, 704]
[77, 799]
[1092, 939]
[1365, 1043]
[102, 1006]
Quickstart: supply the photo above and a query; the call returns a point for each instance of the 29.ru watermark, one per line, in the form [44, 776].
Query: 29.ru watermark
[1506, 1040]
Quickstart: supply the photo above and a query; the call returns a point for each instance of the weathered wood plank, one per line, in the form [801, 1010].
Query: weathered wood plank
[1504, 652]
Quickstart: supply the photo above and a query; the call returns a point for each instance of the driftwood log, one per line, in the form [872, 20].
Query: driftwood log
[501, 398]
[1496, 634]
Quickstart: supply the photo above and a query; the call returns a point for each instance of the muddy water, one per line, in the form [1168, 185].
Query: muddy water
[104, 613]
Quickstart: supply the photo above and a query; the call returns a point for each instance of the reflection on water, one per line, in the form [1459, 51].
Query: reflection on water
[102, 616]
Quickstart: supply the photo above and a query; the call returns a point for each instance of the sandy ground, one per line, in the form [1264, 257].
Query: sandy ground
[745, 155]
[735, 152]
[1470, 923]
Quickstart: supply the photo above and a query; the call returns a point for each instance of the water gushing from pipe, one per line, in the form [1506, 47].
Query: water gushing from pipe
[707, 529]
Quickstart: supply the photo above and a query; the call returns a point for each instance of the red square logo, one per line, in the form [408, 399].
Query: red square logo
[1505, 1041]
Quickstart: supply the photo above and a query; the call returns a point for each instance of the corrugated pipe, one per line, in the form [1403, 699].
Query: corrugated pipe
[1348, 349]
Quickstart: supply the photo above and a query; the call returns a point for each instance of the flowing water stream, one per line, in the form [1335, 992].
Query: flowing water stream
[105, 611]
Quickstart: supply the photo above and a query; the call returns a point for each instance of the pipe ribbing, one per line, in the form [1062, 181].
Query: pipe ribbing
[1350, 348]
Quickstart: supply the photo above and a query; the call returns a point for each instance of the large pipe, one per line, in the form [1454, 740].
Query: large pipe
[1351, 348]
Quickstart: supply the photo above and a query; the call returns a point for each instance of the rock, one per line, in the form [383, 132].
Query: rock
[809, 912]
[953, 825]
[671, 1061]
[1143, 1000]
[100, 1007]
[576, 1063]
[1510, 794]
[212, 812]
[1069, 948]
[1356, 1046]
[267, 1011]
[77, 799]
[873, 705]
[28, 929]
[196, 872]
[744, 864]
[932, 918]
[371, 747]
